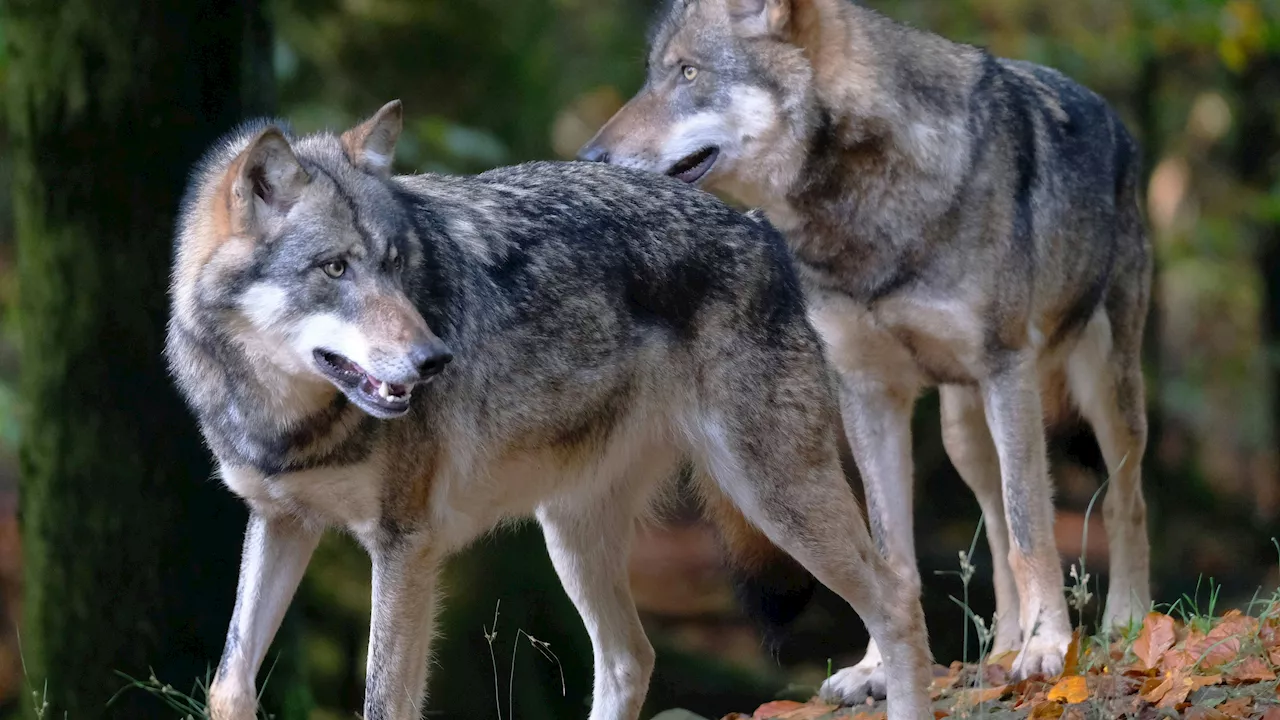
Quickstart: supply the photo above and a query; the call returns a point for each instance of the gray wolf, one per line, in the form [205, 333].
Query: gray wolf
[959, 221]
[418, 359]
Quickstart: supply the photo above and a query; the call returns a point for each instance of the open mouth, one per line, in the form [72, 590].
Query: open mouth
[693, 167]
[377, 397]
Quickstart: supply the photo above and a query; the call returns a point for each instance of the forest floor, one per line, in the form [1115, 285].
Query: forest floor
[1178, 665]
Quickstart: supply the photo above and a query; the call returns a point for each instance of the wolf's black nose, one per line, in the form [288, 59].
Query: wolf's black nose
[592, 152]
[430, 358]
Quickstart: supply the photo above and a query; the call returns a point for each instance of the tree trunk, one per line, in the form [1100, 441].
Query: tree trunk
[131, 550]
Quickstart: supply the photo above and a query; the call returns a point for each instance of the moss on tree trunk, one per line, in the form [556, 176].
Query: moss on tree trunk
[131, 549]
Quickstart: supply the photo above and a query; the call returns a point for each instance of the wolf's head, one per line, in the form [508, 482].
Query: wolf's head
[725, 100]
[299, 252]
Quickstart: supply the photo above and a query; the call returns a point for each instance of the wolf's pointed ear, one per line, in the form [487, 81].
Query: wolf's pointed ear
[755, 18]
[267, 181]
[371, 145]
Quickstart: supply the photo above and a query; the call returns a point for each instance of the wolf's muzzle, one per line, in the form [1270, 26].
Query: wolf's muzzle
[430, 357]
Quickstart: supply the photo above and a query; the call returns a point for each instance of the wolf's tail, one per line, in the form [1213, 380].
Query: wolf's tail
[771, 587]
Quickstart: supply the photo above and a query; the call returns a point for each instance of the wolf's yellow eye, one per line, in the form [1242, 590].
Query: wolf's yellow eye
[690, 72]
[335, 269]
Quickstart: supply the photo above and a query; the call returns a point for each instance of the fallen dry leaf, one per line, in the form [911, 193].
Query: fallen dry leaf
[1251, 669]
[1004, 659]
[1071, 690]
[994, 675]
[1199, 712]
[1274, 655]
[774, 709]
[1175, 687]
[976, 696]
[1222, 644]
[1272, 713]
[809, 711]
[1238, 708]
[1177, 660]
[1149, 687]
[1213, 650]
[1072, 659]
[1046, 711]
[1022, 698]
[939, 685]
[878, 715]
[939, 714]
[1240, 623]
[1156, 637]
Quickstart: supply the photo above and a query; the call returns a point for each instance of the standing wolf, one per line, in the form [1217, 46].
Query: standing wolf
[960, 221]
[418, 358]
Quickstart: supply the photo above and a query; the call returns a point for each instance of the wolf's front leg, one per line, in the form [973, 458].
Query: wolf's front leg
[276, 553]
[1013, 409]
[588, 544]
[404, 602]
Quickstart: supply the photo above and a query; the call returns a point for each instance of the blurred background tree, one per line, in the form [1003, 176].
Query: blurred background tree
[488, 82]
[130, 552]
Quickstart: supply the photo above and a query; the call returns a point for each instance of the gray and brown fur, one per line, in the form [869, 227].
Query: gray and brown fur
[960, 221]
[562, 336]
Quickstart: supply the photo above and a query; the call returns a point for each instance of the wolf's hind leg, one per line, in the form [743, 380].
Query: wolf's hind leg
[1106, 381]
[783, 471]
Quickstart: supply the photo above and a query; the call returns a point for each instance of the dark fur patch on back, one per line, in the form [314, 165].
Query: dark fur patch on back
[670, 296]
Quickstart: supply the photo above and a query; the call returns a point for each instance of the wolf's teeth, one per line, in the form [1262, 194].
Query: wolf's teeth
[384, 390]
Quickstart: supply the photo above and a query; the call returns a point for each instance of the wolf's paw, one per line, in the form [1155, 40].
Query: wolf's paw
[1043, 655]
[853, 685]
[232, 704]
[1122, 613]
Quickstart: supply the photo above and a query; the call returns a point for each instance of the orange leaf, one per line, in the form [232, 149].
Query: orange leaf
[1199, 712]
[1274, 655]
[1237, 707]
[1149, 688]
[1251, 669]
[1004, 659]
[1272, 713]
[775, 708]
[1072, 689]
[939, 714]
[1200, 681]
[811, 711]
[975, 696]
[1211, 652]
[1072, 659]
[1156, 637]
[1177, 660]
[1046, 711]
[1237, 623]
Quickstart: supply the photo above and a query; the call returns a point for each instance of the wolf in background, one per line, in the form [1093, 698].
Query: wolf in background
[418, 359]
[960, 221]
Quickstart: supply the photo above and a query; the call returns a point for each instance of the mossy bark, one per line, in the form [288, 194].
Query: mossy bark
[131, 550]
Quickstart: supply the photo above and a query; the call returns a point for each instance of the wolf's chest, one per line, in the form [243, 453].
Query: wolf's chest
[347, 495]
[938, 339]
